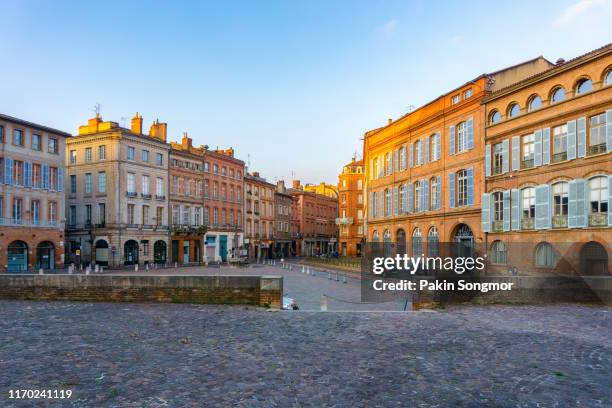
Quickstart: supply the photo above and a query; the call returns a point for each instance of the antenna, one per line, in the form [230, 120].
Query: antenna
[96, 109]
[249, 160]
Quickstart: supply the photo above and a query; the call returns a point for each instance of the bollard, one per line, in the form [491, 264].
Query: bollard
[86, 271]
[337, 276]
[147, 267]
[40, 271]
[303, 269]
[323, 303]
[136, 267]
[308, 270]
[329, 275]
[175, 265]
[97, 268]
[290, 267]
[344, 278]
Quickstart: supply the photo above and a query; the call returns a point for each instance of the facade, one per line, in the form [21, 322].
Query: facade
[283, 203]
[425, 171]
[548, 167]
[186, 175]
[117, 205]
[322, 189]
[223, 204]
[31, 195]
[259, 217]
[316, 215]
[351, 208]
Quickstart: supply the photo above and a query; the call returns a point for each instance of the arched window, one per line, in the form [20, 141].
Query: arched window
[608, 78]
[560, 203]
[417, 247]
[545, 256]
[598, 195]
[388, 202]
[597, 134]
[401, 241]
[418, 192]
[433, 194]
[583, 85]
[462, 136]
[557, 95]
[498, 253]
[401, 198]
[418, 152]
[462, 188]
[433, 242]
[494, 117]
[535, 102]
[375, 236]
[402, 158]
[387, 236]
[387, 164]
[387, 242]
[514, 110]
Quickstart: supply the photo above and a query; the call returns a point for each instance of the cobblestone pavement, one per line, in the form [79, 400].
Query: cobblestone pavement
[170, 355]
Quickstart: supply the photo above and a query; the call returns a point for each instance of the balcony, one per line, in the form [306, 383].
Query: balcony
[133, 226]
[559, 157]
[597, 149]
[559, 221]
[344, 221]
[19, 222]
[147, 227]
[131, 194]
[527, 223]
[527, 164]
[160, 197]
[497, 170]
[145, 196]
[498, 226]
[598, 219]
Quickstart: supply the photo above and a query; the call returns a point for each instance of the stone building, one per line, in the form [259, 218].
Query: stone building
[548, 167]
[283, 203]
[117, 204]
[351, 208]
[187, 226]
[31, 195]
[259, 217]
[425, 170]
[223, 204]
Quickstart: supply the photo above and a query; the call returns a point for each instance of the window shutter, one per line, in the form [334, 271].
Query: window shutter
[27, 180]
[396, 160]
[390, 203]
[425, 205]
[405, 204]
[581, 136]
[451, 190]
[422, 153]
[470, 186]
[411, 155]
[537, 159]
[505, 156]
[609, 131]
[371, 205]
[571, 140]
[395, 201]
[409, 206]
[542, 208]
[609, 201]
[546, 146]
[8, 170]
[427, 149]
[438, 192]
[516, 153]
[515, 208]
[451, 140]
[486, 212]
[45, 175]
[506, 213]
[488, 160]
[470, 133]
[60, 179]
[577, 209]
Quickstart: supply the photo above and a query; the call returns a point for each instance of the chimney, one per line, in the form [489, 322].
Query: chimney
[186, 141]
[560, 61]
[159, 130]
[296, 185]
[230, 152]
[280, 186]
[389, 121]
[137, 124]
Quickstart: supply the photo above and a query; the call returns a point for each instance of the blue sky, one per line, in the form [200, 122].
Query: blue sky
[291, 85]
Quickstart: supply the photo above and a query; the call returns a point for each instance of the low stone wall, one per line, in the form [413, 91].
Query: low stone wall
[250, 290]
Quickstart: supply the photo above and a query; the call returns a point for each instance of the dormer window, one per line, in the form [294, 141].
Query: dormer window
[455, 99]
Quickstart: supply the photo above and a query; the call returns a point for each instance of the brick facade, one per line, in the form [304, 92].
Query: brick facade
[351, 208]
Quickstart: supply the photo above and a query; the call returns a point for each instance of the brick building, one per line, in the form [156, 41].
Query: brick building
[186, 175]
[425, 170]
[283, 203]
[259, 216]
[351, 207]
[31, 195]
[548, 167]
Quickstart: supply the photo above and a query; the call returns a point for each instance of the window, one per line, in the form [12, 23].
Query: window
[53, 145]
[102, 213]
[560, 199]
[495, 117]
[36, 145]
[159, 159]
[73, 157]
[557, 95]
[498, 253]
[417, 247]
[159, 187]
[144, 156]
[498, 158]
[598, 194]
[72, 215]
[462, 136]
[102, 182]
[131, 153]
[584, 85]
[53, 178]
[514, 110]
[402, 158]
[18, 172]
[387, 202]
[528, 202]
[468, 93]
[498, 206]
[52, 212]
[375, 168]
[418, 148]
[130, 214]
[597, 132]
[559, 143]
[131, 183]
[359, 184]
[36, 179]
[88, 154]
[159, 215]
[87, 214]
[1, 141]
[102, 152]
[18, 137]
[35, 211]
[608, 80]
[545, 256]
[433, 242]
[433, 196]
[145, 185]
[535, 103]
[215, 168]
[418, 196]
[527, 142]
[145, 215]
[17, 210]
[455, 99]
[73, 184]
[87, 183]
[435, 146]
[462, 188]
[387, 164]
[223, 171]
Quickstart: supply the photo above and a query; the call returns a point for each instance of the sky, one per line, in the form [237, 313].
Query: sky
[291, 85]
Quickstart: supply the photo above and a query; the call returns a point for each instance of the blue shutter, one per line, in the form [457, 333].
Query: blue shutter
[425, 205]
[609, 133]
[396, 160]
[571, 140]
[371, 205]
[405, 205]
[470, 133]
[439, 146]
[390, 203]
[515, 203]
[543, 217]
[470, 186]
[8, 170]
[609, 201]
[427, 139]
[451, 190]
[546, 146]
[537, 159]
[409, 207]
[438, 192]
[577, 208]
[451, 140]
[45, 176]
[27, 169]
[488, 160]
[486, 212]
[516, 153]
[404, 158]
[505, 156]
[395, 201]
[422, 153]
[411, 155]
[60, 179]
[506, 213]
[581, 136]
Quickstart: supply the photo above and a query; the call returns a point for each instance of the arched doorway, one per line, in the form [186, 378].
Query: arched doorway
[387, 242]
[17, 256]
[593, 259]
[401, 241]
[45, 255]
[130, 252]
[159, 252]
[464, 240]
[102, 252]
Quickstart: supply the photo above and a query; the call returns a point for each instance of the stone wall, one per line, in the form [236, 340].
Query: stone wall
[249, 290]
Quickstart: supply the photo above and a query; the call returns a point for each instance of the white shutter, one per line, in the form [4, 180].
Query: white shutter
[609, 133]
[515, 209]
[487, 160]
[486, 212]
[451, 140]
[571, 140]
[516, 152]
[546, 146]
[537, 160]
[581, 136]
[577, 209]
[505, 156]
[506, 212]
[542, 208]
